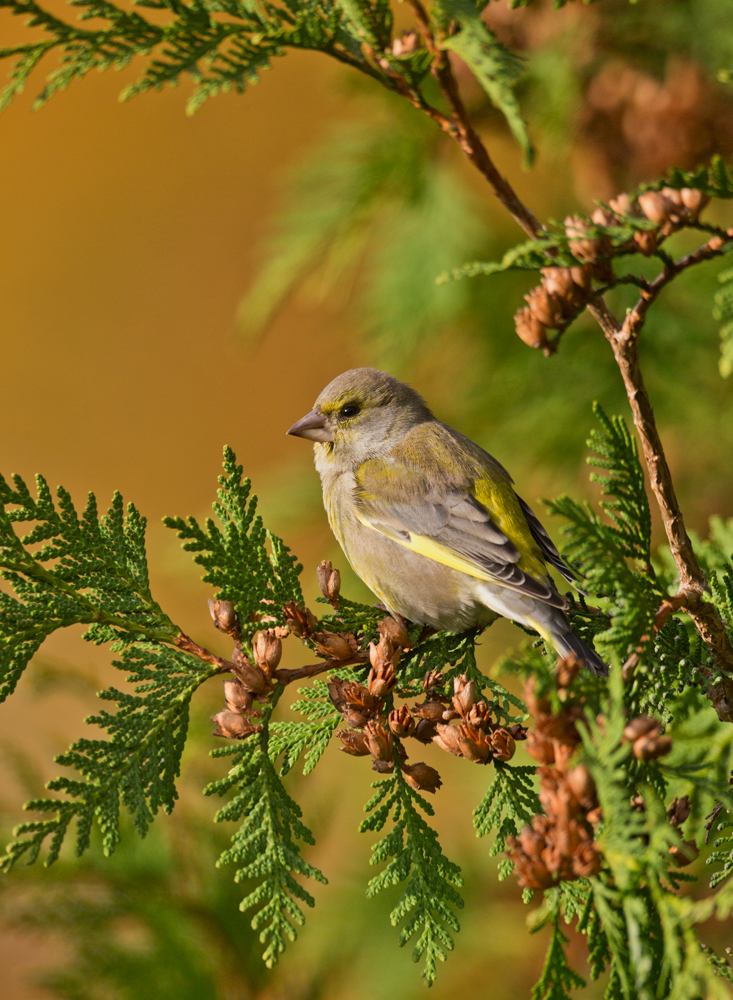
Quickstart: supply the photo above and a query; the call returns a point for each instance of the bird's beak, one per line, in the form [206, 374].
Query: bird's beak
[312, 426]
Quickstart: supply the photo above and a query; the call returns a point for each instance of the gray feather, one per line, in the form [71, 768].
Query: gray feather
[548, 547]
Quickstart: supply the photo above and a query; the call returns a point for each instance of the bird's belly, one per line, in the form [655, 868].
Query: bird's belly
[412, 585]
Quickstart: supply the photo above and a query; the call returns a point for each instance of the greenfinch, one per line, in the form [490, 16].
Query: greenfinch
[428, 519]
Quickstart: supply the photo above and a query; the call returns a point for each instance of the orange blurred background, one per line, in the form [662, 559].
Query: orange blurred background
[129, 234]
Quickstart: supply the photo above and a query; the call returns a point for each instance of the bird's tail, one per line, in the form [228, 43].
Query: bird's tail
[569, 642]
[566, 642]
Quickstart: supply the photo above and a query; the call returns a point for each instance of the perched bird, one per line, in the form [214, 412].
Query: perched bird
[428, 519]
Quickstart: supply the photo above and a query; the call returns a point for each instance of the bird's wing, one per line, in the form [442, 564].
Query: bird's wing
[465, 525]
[548, 547]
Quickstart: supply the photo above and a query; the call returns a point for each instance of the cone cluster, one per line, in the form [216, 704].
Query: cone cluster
[559, 845]
[371, 732]
[565, 291]
[669, 209]
[254, 677]
[458, 723]
[476, 736]
[250, 681]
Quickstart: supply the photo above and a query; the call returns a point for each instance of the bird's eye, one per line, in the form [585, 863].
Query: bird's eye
[350, 410]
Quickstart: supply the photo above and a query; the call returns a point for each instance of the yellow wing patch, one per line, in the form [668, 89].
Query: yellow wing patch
[431, 549]
[501, 502]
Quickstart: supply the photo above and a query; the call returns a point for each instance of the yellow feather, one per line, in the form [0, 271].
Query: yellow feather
[544, 632]
[500, 500]
[431, 549]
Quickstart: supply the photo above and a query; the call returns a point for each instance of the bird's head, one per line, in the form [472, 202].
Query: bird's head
[362, 413]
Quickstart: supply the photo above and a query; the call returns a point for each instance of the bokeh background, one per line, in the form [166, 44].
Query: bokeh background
[171, 284]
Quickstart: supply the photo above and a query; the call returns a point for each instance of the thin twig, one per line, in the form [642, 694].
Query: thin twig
[188, 645]
[461, 130]
[624, 279]
[667, 608]
[413, 95]
[286, 676]
[713, 248]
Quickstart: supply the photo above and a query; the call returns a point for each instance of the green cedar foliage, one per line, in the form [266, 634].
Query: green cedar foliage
[311, 736]
[69, 570]
[225, 44]
[510, 802]
[641, 932]
[414, 856]
[220, 44]
[263, 845]
[243, 561]
[557, 976]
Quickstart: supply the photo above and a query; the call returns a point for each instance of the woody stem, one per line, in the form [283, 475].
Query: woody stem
[460, 129]
[285, 676]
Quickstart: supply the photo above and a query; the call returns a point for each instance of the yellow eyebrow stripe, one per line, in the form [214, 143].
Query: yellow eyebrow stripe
[431, 549]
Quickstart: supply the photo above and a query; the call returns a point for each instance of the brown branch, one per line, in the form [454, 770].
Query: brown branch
[414, 96]
[288, 676]
[462, 131]
[624, 341]
[187, 644]
[713, 248]
[284, 676]
[625, 350]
